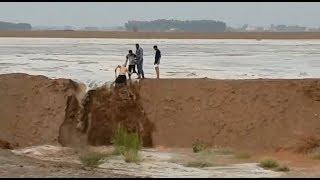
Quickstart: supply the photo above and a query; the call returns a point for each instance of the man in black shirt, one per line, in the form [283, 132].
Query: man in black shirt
[139, 57]
[157, 60]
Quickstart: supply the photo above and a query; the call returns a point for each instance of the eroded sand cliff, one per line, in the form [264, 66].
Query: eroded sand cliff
[242, 114]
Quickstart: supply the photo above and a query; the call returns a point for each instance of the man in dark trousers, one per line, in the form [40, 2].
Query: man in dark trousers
[131, 57]
[157, 60]
[139, 57]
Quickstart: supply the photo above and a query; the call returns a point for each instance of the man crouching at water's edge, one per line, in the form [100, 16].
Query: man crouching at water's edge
[121, 79]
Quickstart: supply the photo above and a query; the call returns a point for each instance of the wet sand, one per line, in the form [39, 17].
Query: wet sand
[160, 35]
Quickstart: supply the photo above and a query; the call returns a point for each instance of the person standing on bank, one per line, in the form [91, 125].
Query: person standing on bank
[157, 60]
[132, 63]
[139, 57]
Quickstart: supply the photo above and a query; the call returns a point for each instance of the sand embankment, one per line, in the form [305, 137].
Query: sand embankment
[32, 108]
[249, 114]
[160, 35]
[242, 114]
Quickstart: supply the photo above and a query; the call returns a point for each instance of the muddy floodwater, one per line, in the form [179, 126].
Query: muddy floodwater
[92, 61]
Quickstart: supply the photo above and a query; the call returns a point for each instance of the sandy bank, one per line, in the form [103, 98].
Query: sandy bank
[249, 114]
[160, 35]
[32, 108]
[241, 114]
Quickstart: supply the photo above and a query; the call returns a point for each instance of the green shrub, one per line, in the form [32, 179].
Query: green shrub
[92, 159]
[131, 156]
[198, 146]
[126, 144]
[119, 140]
[124, 141]
[269, 163]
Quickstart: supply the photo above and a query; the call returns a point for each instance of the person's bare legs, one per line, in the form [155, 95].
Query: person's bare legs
[157, 71]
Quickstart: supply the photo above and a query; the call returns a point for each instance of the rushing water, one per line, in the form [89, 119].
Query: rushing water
[92, 61]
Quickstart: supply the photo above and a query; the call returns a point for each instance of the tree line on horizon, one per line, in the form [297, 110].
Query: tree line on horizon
[163, 25]
[14, 26]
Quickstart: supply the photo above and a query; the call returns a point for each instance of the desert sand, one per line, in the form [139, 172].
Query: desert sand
[160, 35]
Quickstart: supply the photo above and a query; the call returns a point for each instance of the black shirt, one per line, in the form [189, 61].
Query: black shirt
[157, 57]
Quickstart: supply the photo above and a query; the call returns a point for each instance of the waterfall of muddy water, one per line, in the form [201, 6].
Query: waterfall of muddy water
[94, 119]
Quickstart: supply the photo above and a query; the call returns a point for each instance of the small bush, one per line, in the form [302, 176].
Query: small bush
[131, 156]
[283, 168]
[198, 146]
[92, 159]
[124, 141]
[242, 155]
[119, 141]
[127, 144]
[269, 163]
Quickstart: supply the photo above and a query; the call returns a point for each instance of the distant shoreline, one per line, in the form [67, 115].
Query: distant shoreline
[160, 35]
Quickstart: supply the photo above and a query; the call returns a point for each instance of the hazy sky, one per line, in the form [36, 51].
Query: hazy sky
[117, 13]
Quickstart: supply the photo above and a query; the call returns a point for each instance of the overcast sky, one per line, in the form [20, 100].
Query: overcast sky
[107, 14]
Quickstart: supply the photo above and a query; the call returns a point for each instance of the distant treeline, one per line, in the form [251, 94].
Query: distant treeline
[14, 26]
[176, 26]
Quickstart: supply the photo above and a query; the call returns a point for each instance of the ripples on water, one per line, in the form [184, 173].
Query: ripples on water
[92, 61]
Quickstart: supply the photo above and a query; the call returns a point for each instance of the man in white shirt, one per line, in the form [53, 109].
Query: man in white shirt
[131, 57]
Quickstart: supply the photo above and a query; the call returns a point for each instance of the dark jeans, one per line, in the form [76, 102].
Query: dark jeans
[132, 69]
[140, 68]
[121, 79]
